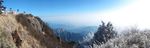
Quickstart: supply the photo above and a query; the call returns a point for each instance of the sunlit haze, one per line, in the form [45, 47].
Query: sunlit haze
[135, 13]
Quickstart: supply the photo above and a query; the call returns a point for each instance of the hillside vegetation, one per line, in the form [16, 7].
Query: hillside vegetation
[27, 31]
[106, 37]
[130, 39]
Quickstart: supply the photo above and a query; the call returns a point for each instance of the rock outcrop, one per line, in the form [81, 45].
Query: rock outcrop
[27, 31]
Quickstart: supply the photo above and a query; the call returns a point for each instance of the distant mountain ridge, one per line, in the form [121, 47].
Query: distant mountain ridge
[72, 33]
[73, 28]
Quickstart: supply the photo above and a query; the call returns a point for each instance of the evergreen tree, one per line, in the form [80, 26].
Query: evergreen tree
[104, 33]
[10, 9]
[2, 8]
[17, 10]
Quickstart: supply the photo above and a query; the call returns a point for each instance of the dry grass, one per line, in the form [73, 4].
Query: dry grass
[7, 24]
[33, 32]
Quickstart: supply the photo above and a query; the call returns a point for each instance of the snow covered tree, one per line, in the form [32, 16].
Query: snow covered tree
[104, 33]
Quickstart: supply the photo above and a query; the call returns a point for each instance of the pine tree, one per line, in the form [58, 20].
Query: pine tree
[2, 8]
[104, 33]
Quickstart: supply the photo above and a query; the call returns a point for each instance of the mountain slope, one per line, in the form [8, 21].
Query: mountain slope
[27, 31]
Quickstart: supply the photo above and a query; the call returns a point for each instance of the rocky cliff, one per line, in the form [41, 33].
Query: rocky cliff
[27, 31]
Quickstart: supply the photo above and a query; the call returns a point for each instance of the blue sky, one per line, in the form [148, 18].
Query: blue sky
[61, 7]
[85, 12]
[121, 13]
